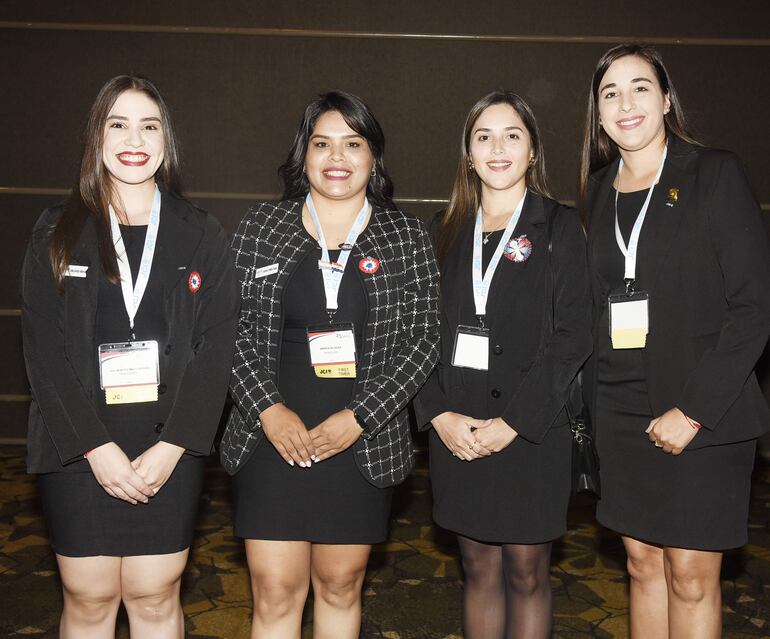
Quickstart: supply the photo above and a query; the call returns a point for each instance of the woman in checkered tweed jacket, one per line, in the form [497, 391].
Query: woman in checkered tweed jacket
[316, 445]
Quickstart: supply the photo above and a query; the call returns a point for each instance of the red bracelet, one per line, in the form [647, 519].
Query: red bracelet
[693, 423]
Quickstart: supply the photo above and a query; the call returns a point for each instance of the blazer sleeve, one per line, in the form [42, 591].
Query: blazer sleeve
[194, 417]
[542, 394]
[68, 413]
[251, 387]
[430, 401]
[389, 392]
[740, 241]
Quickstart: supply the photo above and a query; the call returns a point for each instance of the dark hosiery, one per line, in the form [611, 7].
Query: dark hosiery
[507, 590]
[529, 602]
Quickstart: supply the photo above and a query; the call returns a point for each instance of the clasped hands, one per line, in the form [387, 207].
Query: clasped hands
[138, 480]
[468, 438]
[298, 445]
[671, 432]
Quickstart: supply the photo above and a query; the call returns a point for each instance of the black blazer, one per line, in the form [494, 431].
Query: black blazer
[61, 356]
[707, 262]
[531, 366]
[400, 343]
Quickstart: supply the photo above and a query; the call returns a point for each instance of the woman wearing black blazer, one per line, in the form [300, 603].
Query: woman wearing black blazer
[319, 435]
[500, 444]
[120, 466]
[671, 387]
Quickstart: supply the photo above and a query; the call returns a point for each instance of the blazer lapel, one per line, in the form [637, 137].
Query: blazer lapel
[670, 200]
[177, 243]
[511, 276]
[599, 206]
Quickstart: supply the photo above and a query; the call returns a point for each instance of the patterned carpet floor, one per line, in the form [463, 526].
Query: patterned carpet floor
[413, 586]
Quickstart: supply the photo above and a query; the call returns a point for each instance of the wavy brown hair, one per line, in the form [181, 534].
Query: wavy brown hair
[94, 190]
[466, 190]
[598, 148]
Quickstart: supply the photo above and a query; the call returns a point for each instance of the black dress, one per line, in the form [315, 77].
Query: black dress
[698, 499]
[518, 495]
[330, 502]
[83, 520]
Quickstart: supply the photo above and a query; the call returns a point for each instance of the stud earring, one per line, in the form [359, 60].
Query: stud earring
[374, 171]
[470, 165]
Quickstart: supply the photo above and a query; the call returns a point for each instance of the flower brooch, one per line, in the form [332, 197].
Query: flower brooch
[518, 249]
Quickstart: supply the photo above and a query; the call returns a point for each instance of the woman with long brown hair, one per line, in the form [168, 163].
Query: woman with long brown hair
[515, 330]
[129, 312]
[680, 270]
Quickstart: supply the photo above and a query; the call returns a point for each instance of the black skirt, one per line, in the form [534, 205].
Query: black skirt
[84, 521]
[331, 502]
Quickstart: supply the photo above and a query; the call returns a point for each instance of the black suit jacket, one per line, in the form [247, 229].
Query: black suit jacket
[400, 344]
[531, 366]
[61, 356]
[707, 262]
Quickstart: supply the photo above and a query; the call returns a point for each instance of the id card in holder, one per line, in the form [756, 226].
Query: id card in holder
[129, 372]
[332, 350]
[629, 319]
[471, 348]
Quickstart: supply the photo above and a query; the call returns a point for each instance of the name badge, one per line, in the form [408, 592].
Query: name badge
[332, 350]
[629, 319]
[76, 270]
[264, 271]
[471, 349]
[129, 372]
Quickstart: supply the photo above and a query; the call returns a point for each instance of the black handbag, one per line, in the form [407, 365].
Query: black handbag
[585, 459]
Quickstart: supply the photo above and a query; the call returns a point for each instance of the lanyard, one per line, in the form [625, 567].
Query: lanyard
[481, 284]
[633, 242]
[132, 295]
[332, 272]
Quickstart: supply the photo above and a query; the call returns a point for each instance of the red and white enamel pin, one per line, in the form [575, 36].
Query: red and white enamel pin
[369, 265]
[194, 282]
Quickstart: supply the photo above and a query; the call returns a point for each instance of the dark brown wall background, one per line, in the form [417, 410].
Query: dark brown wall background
[238, 76]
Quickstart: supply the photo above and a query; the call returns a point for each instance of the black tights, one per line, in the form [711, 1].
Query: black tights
[507, 591]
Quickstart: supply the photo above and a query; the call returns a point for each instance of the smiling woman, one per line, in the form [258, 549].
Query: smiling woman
[680, 268]
[128, 364]
[338, 330]
[514, 332]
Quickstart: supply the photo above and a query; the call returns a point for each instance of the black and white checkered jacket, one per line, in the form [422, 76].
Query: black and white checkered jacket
[401, 337]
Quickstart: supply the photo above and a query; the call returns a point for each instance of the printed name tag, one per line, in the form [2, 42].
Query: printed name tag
[266, 270]
[75, 270]
[471, 348]
[629, 320]
[129, 372]
[332, 350]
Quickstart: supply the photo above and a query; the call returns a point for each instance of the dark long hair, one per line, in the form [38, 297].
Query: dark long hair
[466, 190]
[358, 117]
[94, 190]
[598, 148]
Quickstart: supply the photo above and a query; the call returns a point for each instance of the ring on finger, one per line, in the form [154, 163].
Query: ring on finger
[472, 445]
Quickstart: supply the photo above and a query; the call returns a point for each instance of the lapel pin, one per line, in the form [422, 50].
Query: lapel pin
[194, 282]
[369, 265]
[518, 249]
[673, 196]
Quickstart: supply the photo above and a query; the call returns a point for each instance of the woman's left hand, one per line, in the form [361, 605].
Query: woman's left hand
[336, 433]
[494, 435]
[156, 464]
[671, 432]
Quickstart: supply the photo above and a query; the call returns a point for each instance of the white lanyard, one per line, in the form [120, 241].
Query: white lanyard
[633, 241]
[481, 283]
[332, 272]
[132, 295]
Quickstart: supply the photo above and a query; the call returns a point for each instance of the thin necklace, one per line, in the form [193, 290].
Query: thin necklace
[486, 234]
